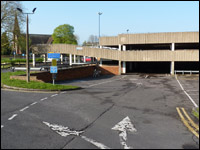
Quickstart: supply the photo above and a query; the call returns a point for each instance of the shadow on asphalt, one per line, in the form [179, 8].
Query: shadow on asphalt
[86, 79]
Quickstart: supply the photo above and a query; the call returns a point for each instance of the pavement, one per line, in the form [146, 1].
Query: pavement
[97, 115]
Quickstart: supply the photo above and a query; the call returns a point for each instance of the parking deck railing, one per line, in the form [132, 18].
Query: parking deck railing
[186, 71]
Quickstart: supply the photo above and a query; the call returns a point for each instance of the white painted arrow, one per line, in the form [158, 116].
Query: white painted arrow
[65, 131]
[124, 126]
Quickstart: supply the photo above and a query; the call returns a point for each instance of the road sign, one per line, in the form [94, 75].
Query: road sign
[53, 69]
[54, 62]
[54, 55]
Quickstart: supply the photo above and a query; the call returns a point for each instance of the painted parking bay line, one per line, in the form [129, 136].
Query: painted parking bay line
[186, 92]
[185, 122]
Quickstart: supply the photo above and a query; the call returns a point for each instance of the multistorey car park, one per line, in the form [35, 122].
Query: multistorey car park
[142, 52]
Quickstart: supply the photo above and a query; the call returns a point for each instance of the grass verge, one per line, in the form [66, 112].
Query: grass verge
[195, 112]
[5, 79]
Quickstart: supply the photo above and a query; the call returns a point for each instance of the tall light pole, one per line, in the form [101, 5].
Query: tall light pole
[99, 23]
[27, 45]
[127, 30]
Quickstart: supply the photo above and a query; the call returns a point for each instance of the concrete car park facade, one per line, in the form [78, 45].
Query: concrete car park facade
[130, 52]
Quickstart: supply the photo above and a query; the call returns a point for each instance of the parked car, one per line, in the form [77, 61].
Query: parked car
[87, 59]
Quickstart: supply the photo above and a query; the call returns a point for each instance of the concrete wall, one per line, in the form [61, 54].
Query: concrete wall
[151, 38]
[144, 55]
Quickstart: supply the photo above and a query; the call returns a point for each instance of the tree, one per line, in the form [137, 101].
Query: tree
[92, 41]
[64, 34]
[8, 11]
[5, 45]
[11, 22]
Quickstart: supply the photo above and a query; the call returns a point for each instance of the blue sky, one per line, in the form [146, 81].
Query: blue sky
[117, 17]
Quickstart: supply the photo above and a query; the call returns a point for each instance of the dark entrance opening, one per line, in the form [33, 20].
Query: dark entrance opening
[187, 66]
[148, 67]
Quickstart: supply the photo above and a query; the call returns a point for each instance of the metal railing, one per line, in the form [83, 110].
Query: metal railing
[186, 71]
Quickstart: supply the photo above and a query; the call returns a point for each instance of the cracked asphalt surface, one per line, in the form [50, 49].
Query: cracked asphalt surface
[150, 101]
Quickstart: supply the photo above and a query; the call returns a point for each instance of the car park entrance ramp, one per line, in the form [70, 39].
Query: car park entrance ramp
[115, 54]
[76, 50]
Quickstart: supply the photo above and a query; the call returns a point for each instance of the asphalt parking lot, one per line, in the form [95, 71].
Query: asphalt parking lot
[128, 111]
[191, 86]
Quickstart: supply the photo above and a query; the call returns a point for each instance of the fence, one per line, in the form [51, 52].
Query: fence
[186, 71]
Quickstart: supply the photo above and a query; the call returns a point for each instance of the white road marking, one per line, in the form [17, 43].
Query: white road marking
[124, 76]
[44, 98]
[101, 83]
[63, 92]
[97, 144]
[186, 93]
[54, 95]
[133, 79]
[13, 116]
[65, 131]
[34, 103]
[124, 126]
[24, 108]
[2, 126]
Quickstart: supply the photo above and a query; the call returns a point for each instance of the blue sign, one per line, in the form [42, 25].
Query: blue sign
[54, 55]
[53, 69]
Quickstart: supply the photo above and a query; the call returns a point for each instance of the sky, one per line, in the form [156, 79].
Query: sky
[116, 18]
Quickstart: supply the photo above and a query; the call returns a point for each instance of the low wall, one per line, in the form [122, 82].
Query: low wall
[109, 70]
[70, 74]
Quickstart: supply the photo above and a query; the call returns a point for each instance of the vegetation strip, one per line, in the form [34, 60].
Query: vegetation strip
[186, 123]
[5, 80]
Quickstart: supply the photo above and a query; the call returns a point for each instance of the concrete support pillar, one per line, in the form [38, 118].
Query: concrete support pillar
[33, 55]
[79, 59]
[70, 59]
[173, 47]
[120, 68]
[124, 63]
[120, 47]
[101, 62]
[124, 67]
[172, 68]
[74, 58]
[84, 60]
[61, 58]
[172, 62]
[44, 58]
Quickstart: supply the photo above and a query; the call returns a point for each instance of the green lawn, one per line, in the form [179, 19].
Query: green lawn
[5, 79]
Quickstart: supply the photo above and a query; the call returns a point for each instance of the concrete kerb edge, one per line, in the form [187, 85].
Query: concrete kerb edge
[39, 90]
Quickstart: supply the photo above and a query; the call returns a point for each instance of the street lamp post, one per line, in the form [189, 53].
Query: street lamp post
[127, 30]
[99, 23]
[27, 45]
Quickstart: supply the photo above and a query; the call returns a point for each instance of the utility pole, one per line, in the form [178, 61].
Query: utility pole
[99, 23]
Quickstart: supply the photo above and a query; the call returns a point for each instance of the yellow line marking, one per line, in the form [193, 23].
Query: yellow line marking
[186, 123]
[190, 120]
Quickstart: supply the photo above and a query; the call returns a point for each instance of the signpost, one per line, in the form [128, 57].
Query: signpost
[54, 68]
